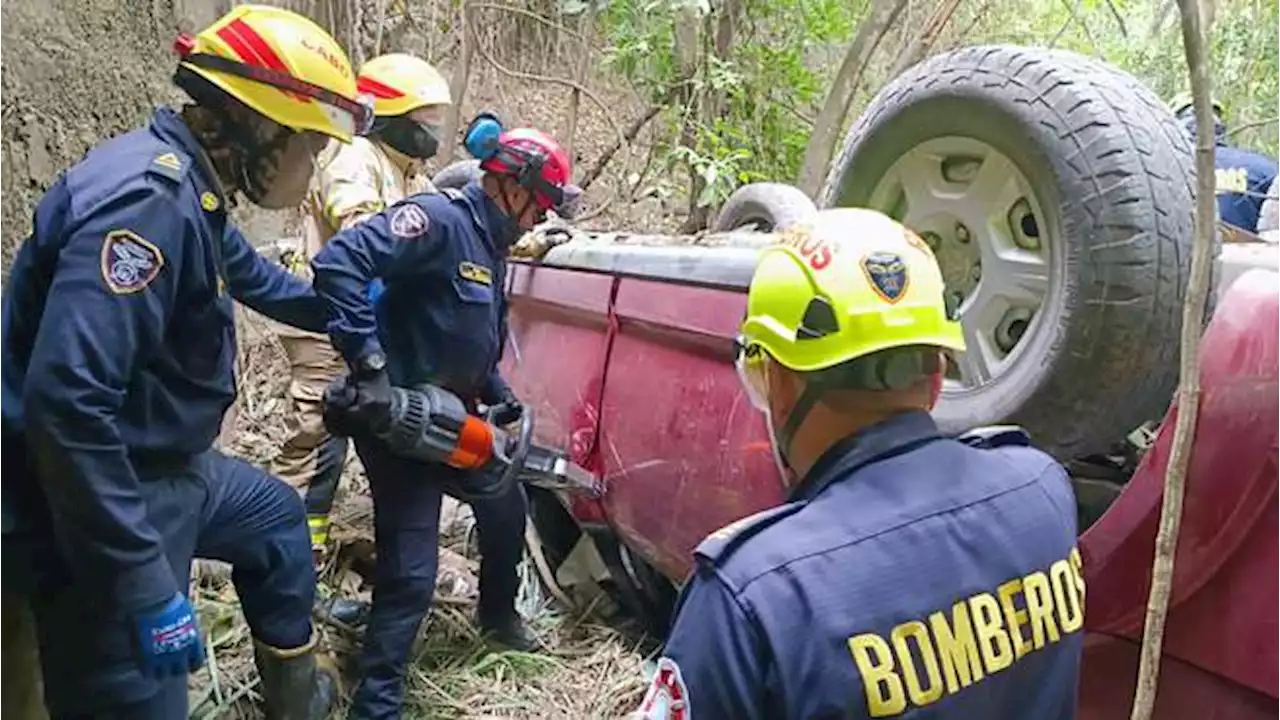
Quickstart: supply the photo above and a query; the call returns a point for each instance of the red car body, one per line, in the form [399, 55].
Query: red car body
[630, 368]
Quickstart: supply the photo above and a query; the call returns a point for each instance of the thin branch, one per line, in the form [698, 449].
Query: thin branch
[1271, 121]
[1074, 10]
[1115, 13]
[632, 131]
[551, 79]
[919, 47]
[377, 33]
[534, 16]
[1193, 40]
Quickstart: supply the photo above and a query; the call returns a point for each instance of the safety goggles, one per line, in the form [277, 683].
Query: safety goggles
[527, 169]
[749, 360]
[354, 116]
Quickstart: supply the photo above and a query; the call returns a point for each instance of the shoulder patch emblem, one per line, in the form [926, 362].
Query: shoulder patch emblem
[667, 697]
[887, 274]
[129, 262]
[209, 201]
[409, 221]
[169, 165]
[475, 273]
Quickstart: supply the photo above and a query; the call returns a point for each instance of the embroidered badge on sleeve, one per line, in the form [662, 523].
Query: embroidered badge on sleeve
[409, 221]
[667, 698]
[129, 262]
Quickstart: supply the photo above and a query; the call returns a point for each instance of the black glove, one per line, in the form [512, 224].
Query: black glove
[335, 407]
[372, 406]
[360, 402]
[507, 410]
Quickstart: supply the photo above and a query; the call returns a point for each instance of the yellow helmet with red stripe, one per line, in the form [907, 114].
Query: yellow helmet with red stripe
[281, 65]
[400, 84]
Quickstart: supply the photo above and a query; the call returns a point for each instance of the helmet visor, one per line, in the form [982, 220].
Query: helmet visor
[749, 360]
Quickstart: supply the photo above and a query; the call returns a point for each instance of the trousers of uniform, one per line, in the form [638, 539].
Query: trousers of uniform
[406, 515]
[207, 506]
[311, 459]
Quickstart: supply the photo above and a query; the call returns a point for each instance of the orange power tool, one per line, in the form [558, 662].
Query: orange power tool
[431, 424]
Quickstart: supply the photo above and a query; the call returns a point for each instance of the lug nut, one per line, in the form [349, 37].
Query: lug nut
[976, 273]
[1026, 231]
[932, 240]
[962, 233]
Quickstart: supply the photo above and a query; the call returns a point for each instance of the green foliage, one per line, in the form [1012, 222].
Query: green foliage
[748, 116]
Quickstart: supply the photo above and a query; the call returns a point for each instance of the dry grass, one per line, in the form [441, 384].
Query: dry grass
[586, 670]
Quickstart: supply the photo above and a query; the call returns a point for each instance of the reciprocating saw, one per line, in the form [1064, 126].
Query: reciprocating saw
[432, 425]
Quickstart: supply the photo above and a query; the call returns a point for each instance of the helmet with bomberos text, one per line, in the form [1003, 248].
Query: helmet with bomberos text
[850, 284]
[282, 66]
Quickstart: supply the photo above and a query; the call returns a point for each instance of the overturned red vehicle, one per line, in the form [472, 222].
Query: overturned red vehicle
[1069, 271]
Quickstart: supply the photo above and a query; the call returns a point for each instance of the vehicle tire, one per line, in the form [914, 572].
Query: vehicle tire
[764, 207]
[457, 175]
[1269, 216]
[1057, 193]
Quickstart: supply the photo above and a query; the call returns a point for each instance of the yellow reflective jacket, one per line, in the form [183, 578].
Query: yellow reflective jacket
[351, 183]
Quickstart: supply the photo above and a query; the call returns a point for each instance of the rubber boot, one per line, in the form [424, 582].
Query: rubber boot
[507, 630]
[295, 685]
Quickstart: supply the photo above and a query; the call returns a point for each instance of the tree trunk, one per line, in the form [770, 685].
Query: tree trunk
[826, 129]
[1193, 39]
[580, 76]
[457, 89]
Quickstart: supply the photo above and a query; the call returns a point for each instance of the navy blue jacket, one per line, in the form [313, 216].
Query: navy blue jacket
[119, 341]
[1243, 179]
[910, 575]
[443, 315]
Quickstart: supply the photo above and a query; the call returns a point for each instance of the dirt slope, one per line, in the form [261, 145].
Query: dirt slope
[76, 72]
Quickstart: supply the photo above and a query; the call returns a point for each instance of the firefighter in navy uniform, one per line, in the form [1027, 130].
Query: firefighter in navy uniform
[441, 320]
[910, 574]
[118, 349]
[353, 182]
[1243, 177]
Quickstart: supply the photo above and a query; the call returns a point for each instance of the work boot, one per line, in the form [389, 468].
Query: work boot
[508, 630]
[352, 613]
[295, 685]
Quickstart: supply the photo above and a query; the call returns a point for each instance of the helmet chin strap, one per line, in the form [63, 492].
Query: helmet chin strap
[791, 424]
[510, 206]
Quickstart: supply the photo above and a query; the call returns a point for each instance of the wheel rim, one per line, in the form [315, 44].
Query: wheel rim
[977, 210]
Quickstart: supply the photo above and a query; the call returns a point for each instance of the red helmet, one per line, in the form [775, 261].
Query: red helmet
[537, 162]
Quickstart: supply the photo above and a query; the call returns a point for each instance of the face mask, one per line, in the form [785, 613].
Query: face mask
[751, 373]
[510, 214]
[278, 174]
[410, 138]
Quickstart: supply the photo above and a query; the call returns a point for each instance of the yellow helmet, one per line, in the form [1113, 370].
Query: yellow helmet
[1182, 101]
[851, 283]
[281, 65]
[401, 83]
